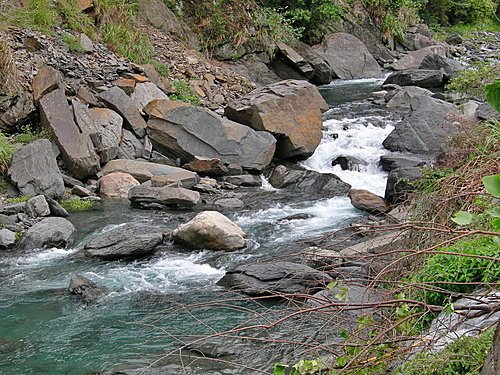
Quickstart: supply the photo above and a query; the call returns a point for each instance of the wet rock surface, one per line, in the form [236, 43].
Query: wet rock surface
[50, 232]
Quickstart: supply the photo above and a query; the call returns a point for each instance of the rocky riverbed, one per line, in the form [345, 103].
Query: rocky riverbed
[198, 208]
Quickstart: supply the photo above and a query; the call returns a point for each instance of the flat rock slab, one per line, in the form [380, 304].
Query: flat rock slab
[417, 77]
[34, 170]
[77, 150]
[116, 185]
[191, 133]
[414, 59]
[348, 57]
[50, 232]
[369, 202]
[170, 196]
[290, 110]
[143, 171]
[46, 80]
[120, 102]
[125, 241]
[146, 92]
[274, 278]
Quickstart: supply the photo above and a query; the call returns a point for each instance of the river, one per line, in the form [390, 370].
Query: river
[43, 330]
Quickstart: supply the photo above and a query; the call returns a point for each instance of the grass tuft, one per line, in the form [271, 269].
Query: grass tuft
[77, 205]
[72, 43]
[7, 149]
[28, 135]
[21, 199]
[185, 93]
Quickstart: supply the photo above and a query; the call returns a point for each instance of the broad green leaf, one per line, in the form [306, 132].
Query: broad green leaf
[495, 223]
[493, 95]
[493, 212]
[463, 218]
[492, 185]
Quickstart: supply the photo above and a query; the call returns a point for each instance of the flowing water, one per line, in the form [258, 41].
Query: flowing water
[45, 331]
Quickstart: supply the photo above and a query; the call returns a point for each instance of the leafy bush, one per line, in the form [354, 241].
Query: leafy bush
[464, 356]
[444, 268]
[451, 12]
[272, 27]
[77, 205]
[471, 82]
[185, 93]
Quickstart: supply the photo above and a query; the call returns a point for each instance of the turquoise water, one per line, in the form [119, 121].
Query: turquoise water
[43, 330]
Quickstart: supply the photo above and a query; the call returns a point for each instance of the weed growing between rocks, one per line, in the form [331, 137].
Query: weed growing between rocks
[7, 149]
[77, 205]
[28, 135]
[72, 43]
[21, 199]
[185, 93]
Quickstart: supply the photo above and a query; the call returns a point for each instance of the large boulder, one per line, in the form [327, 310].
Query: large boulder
[415, 58]
[104, 127]
[124, 241]
[348, 57]
[34, 170]
[300, 180]
[116, 185]
[434, 61]
[170, 196]
[425, 130]
[258, 279]
[50, 232]
[211, 230]
[46, 80]
[190, 133]
[402, 98]
[143, 171]
[369, 202]
[417, 77]
[322, 71]
[16, 110]
[395, 161]
[77, 150]
[37, 207]
[290, 110]
[120, 102]
[293, 58]
[399, 182]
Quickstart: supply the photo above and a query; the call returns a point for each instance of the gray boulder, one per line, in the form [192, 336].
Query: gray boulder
[400, 181]
[297, 61]
[50, 232]
[146, 92]
[391, 162]
[144, 171]
[414, 59]
[210, 230]
[7, 238]
[171, 196]
[401, 99]
[348, 57]
[434, 61]
[425, 130]
[290, 110]
[274, 278]
[86, 289]
[486, 112]
[349, 163]
[34, 170]
[295, 178]
[189, 133]
[76, 148]
[120, 102]
[417, 77]
[125, 241]
[244, 180]
[322, 71]
[37, 207]
[55, 208]
[16, 110]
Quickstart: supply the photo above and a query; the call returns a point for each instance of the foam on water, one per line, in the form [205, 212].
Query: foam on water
[360, 138]
[171, 273]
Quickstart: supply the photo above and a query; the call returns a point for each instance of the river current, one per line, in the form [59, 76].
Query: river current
[45, 331]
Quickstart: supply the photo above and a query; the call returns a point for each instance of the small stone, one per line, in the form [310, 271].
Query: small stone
[81, 192]
[37, 207]
[126, 84]
[117, 185]
[46, 80]
[7, 238]
[85, 5]
[86, 43]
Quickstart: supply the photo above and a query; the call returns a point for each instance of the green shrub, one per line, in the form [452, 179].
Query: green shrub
[452, 12]
[77, 205]
[72, 43]
[443, 268]
[185, 93]
[472, 82]
[40, 15]
[465, 356]
[272, 27]
[128, 42]
[7, 149]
